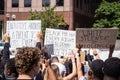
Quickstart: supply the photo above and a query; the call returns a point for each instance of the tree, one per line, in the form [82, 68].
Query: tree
[108, 15]
[48, 17]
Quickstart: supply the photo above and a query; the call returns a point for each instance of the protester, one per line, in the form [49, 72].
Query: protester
[6, 52]
[33, 63]
[1, 65]
[10, 72]
[68, 66]
[61, 67]
[26, 62]
[111, 69]
[55, 69]
[95, 71]
[49, 74]
[74, 70]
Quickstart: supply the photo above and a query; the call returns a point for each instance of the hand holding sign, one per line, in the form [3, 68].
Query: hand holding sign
[111, 49]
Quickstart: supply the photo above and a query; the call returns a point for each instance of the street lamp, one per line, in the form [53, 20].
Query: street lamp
[8, 16]
[13, 17]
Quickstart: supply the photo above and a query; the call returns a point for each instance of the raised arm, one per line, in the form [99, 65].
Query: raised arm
[96, 54]
[111, 49]
[79, 66]
[74, 72]
[6, 52]
[51, 75]
[39, 43]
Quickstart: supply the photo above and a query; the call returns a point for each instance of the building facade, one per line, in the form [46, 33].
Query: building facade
[76, 13]
[84, 11]
[19, 10]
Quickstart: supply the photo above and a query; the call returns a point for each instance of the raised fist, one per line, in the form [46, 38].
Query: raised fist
[6, 37]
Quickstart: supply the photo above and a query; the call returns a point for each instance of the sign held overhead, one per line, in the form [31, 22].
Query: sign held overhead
[60, 42]
[96, 37]
[23, 33]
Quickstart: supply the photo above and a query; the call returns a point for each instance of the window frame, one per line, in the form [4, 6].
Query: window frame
[62, 4]
[15, 5]
[29, 4]
[45, 4]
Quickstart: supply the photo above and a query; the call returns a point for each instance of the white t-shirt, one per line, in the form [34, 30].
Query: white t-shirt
[61, 67]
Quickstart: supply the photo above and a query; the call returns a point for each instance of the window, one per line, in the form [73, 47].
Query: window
[15, 3]
[1, 6]
[1, 29]
[45, 3]
[27, 3]
[60, 2]
[77, 3]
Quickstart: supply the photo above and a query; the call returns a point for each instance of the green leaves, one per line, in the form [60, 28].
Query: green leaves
[108, 15]
[48, 17]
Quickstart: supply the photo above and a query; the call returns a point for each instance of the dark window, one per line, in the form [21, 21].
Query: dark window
[77, 3]
[60, 2]
[81, 1]
[27, 3]
[45, 3]
[2, 7]
[15, 3]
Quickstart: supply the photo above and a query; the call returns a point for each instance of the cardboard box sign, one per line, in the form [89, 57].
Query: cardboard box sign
[23, 33]
[96, 37]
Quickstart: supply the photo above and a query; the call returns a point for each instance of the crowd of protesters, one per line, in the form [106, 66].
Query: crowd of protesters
[35, 63]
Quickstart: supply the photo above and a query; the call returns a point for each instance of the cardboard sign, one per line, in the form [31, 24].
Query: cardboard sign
[96, 38]
[60, 42]
[23, 33]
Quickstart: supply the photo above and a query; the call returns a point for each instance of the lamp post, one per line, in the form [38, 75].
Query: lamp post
[13, 17]
[7, 16]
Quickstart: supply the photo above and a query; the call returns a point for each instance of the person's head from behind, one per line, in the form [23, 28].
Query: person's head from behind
[55, 59]
[96, 69]
[10, 69]
[111, 69]
[44, 55]
[55, 70]
[27, 61]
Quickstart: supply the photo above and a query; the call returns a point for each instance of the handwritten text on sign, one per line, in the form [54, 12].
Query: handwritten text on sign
[23, 33]
[96, 38]
[60, 42]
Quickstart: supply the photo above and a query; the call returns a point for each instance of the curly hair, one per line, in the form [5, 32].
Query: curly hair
[25, 58]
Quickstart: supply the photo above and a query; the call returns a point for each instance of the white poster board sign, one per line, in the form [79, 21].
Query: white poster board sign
[23, 33]
[60, 42]
[96, 38]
